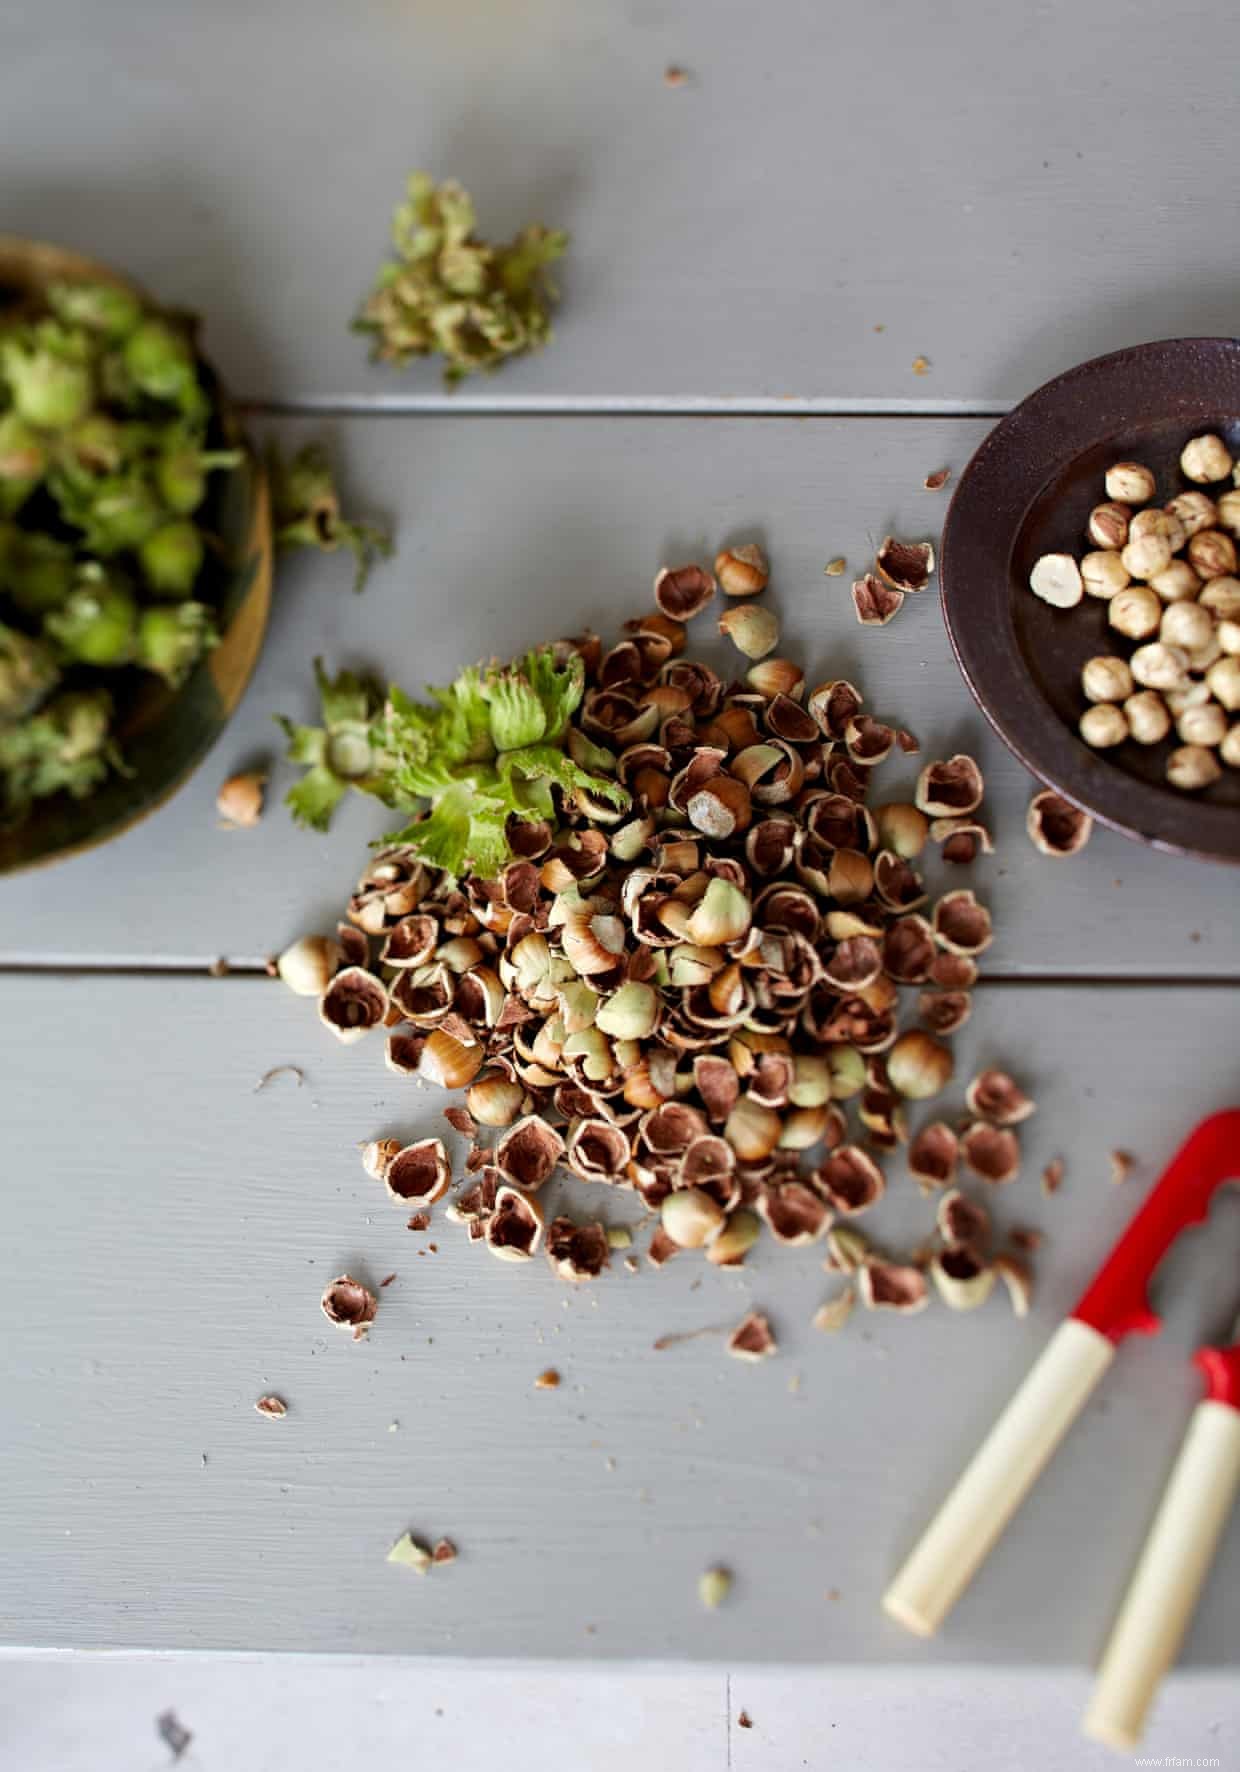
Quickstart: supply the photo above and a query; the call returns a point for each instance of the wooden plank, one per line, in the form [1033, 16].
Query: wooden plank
[169, 1232]
[511, 531]
[1001, 195]
[96, 1713]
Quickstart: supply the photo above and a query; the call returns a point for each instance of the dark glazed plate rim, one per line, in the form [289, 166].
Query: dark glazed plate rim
[1189, 381]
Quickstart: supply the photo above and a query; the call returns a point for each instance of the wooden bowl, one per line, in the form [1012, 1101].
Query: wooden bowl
[1028, 491]
[164, 733]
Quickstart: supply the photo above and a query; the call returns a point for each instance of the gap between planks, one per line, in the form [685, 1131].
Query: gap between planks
[219, 971]
[614, 406]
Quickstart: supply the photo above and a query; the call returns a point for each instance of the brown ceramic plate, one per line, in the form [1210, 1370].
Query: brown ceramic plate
[164, 733]
[1028, 491]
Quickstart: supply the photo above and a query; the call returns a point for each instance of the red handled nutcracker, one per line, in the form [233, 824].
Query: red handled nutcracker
[1199, 1495]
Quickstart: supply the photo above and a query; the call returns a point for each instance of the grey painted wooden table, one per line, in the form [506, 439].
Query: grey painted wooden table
[759, 256]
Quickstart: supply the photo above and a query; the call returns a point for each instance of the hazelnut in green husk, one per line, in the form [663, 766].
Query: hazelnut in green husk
[64, 747]
[49, 374]
[96, 624]
[28, 672]
[36, 571]
[171, 558]
[172, 639]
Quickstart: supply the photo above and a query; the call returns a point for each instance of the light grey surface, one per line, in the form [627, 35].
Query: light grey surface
[512, 530]
[251, 1714]
[169, 1231]
[1004, 190]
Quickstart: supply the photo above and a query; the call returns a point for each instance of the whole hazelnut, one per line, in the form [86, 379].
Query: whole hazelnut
[1185, 624]
[1147, 716]
[1108, 525]
[1212, 552]
[1158, 523]
[1188, 695]
[240, 799]
[1195, 510]
[1102, 573]
[1206, 725]
[1229, 750]
[1228, 517]
[1200, 658]
[1160, 667]
[1228, 634]
[1103, 725]
[1191, 767]
[1130, 482]
[1224, 681]
[1221, 596]
[742, 571]
[1205, 460]
[1056, 578]
[1145, 555]
[1177, 582]
[1135, 612]
[1106, 679]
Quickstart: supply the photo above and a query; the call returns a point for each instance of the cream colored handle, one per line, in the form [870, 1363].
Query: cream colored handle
[1004, 1469]
[1169, 1576]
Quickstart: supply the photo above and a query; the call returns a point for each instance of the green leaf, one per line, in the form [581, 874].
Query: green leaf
[315, 797]
[346, 699]
[552, 765]
[559, 687]
[306, 744]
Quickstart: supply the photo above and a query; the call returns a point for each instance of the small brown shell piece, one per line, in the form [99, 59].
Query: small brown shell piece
[963, 839]
[752, 1339]
[961, 1220]
[420, 1173]
[948, 788]
[528, 1152]
[403, 1051]
[377, 1153]
[991, 1152]
[832, 1315]
[906, 565]
[353, 944]
[598, 1151]
[908, 949]
[962, 1278]
[273, 1407]
[354, 1002]
[962, 924]
[410, 942]
[683, 591]
[850, 1179]
[1055, 826]
[933, 1154]
[994, 1096]
[954, 972]
[348, 1304]
[875, 603]
[444, 1552]
[891, 1286]
[577, 1251]
[514, 1230]
[661, 1248]
[717, 1084]
[1052, 1176]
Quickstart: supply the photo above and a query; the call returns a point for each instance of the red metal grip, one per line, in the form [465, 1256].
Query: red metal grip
[1116, 1302]
[1221, 1367]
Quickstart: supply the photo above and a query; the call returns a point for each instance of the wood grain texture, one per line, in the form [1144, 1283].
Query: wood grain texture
[513, 530]
[1002, 192]
[169, 1231]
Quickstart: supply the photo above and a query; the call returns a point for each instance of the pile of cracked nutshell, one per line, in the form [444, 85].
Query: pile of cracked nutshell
[725, 997]
[1167, 574]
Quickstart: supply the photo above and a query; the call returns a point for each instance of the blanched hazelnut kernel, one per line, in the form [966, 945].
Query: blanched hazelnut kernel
[1159, 667]
[1205, 459]
[1191, 767]
[1147, 716]
[1108, 525]
[1200, 658]
[1196, 510]
[1228, 512]
[1147, 554]
[1223, 679]
[1228, 635]
[1212, 552]
[1177, 583]
[1135, 612]
[1185, 624]
[1129, 481]
[1102, 573]
[1221, 596]
[1206, 725]
[1162, 523]
[1229, 750]
[1056, 578]
[1106, 679]
[1103, 725]
[1190, 695]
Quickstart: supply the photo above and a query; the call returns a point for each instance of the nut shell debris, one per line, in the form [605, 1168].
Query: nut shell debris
[419, 1173]
[875, 603]
[514, 1229]
[353, 1003]
[948, 788]
[682, 592]
[963, 1280]
[1055, 826]
[742, 571]
[348, 1304]
[577, 1251]
[239, 800]
[905, 565]
[991, 1152]
[933, 1155]
[995, 1096]
[752, 1339]
[832, 1315]
[892, 1286]
[274, 1407]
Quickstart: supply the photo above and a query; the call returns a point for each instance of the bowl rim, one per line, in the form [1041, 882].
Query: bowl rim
[1193, 380]
[232, 664]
